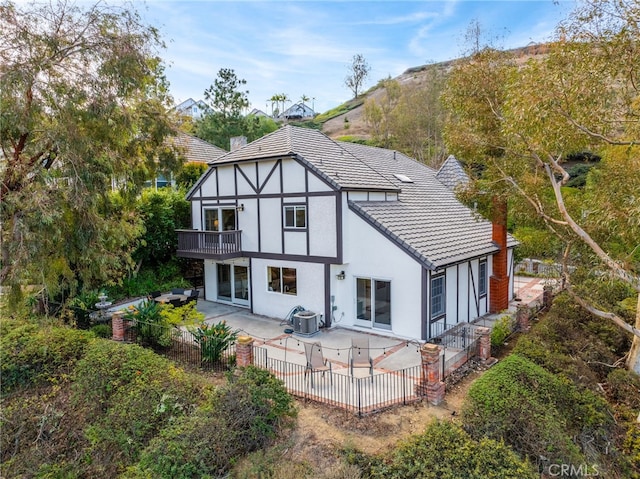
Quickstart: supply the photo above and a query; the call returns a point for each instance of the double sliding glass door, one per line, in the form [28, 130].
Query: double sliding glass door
[373, 303]
[233, 284]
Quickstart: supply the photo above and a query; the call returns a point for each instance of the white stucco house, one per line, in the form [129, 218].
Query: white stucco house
[366, 237]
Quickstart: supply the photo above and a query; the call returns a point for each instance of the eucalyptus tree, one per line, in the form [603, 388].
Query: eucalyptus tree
[83, 100]
[521, 121]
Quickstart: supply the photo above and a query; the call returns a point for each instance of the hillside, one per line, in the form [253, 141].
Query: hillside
[357, 127]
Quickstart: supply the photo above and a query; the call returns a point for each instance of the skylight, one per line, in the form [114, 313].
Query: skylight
[403, 178]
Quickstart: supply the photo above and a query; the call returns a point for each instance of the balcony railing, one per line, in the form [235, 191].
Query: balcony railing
[209, 244]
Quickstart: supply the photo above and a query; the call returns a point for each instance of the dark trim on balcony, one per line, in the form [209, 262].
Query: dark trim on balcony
[209, 244]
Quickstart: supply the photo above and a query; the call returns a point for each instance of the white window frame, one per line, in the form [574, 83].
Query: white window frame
[482, 278]
[281, 287]
[437, 315]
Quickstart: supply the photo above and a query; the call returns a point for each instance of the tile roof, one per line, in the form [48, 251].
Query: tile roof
[195, 149]
[428, 221]
[325, 156]
[452, 174]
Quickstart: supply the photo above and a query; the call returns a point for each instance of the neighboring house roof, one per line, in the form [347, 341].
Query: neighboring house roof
[452, 174]
[192, 107]
[196, 150]
[298, 111]
[428, 221]
[257, 112]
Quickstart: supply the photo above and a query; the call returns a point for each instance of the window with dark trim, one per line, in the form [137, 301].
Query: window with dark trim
[295, 216]
[482, 278]
[438, 297]
[282, 280]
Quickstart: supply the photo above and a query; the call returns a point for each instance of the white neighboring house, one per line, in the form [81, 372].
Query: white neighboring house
[194, 109]
[365, 236]
[299, 111]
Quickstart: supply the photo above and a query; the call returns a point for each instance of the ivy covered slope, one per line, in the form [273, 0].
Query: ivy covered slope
[78, 406]
[560, 397]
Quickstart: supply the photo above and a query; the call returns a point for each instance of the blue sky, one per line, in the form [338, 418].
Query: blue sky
[305, 47]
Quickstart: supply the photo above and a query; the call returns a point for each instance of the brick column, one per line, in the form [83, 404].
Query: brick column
[430, 384]
[117, 326]
[522, 318]
[484, 343]
[499, 280]
[244, 351]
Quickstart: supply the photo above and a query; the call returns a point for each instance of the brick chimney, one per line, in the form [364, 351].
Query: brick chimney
[238, 142]
[499, 281]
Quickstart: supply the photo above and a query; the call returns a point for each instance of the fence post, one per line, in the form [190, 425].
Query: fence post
[484, 343]
[430, 384]
[244, 351]
[117, 326]
[522, 318]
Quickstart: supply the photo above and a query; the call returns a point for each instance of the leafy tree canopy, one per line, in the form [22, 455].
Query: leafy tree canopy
[83, 100]
[521, 121]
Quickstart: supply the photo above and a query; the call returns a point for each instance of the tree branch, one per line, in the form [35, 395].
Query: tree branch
[602, 314]
[584, 236]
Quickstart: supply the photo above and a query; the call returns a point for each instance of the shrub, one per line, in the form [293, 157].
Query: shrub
[150, 327]
[101, 330]
[445, 451]
[214, 340]
[30, 353]
[244, 416]
[132, 394]
[502, 329]
[537, 413]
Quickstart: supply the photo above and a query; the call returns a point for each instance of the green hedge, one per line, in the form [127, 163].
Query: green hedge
[32, 353]
[537, 413]
[243, 417]
[132, 394]
[445, 451]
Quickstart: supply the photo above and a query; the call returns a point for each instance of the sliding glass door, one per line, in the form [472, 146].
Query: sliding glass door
[233, 284]
[373, 303]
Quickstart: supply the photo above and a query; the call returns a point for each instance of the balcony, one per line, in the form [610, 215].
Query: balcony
[209, 244]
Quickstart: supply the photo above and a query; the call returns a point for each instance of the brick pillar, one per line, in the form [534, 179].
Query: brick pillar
[244, 351]
[522, 318]
[430, 384]
[484, 343]
[499, 280]
[117, 326]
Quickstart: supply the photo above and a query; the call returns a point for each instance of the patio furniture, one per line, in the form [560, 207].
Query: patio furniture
[175, 299]
[316, 361]
[193, 296]
[360, 356]
[154, 294]
[177, 291]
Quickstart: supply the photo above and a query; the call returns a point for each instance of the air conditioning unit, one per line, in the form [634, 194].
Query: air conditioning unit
[305, 323]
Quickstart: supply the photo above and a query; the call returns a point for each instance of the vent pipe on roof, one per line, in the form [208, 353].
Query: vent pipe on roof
[394, 155]
[238, 142]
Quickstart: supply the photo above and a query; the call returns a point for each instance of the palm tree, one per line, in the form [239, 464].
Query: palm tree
[284, 98]
[304, 98]
[275, 98]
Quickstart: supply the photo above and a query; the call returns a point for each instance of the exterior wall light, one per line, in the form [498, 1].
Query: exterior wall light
[340, 275]
[240, 207]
